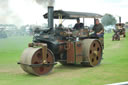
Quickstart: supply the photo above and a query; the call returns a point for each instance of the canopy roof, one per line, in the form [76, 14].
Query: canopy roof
[73, 15]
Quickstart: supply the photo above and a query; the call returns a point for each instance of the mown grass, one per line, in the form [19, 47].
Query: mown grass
[113, 68]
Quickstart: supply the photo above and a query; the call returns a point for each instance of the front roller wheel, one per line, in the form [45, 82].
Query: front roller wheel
[92, 51]
[33, 56]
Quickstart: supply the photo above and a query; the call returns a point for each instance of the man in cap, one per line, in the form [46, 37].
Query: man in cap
[78, 25]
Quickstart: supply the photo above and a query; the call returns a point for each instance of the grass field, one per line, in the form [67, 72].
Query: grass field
[113, 68]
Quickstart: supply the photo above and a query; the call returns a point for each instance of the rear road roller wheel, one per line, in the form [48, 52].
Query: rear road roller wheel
[34, 56]
[92, 51]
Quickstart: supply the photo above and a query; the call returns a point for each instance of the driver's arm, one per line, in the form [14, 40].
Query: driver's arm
[102, 31]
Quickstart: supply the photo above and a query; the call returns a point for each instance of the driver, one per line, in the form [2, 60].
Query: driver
[98, 29]
[78, 25]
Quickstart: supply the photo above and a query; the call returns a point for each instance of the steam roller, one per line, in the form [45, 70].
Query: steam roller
[63, 45]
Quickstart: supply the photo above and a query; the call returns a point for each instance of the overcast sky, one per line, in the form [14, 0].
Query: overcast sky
[114, 7]
[29, 12]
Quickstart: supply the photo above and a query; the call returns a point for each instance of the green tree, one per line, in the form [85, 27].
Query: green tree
[108, 19]
[126, 23]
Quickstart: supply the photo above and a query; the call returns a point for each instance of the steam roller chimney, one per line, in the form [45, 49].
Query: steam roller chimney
[50, 17]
